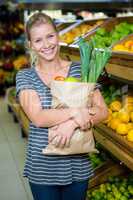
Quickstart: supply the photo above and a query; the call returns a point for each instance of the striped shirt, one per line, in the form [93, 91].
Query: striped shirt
[44, 169]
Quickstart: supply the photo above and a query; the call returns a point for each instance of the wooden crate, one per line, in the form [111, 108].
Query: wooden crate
[12, 102]
[115, 144]
[24, 122]
[101, 174]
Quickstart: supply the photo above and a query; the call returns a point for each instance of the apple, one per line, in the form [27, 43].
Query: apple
[59, 78]
[72, 79]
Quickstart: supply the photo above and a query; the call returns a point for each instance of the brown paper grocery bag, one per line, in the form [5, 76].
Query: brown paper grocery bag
[72, 94]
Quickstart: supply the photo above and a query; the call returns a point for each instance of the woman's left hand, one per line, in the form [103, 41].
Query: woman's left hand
[60, 135]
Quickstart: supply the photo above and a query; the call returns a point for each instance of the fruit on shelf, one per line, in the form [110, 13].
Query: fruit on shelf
[125, 46]
[20, 62]
[122, 128]
[124, 116]
[116, 188]
[103, 38]
[131, 116]
[114, 123]
[120, 117]
[130, 135]
[82, 29]
[7, 47]
[8, 65]
[115, 105]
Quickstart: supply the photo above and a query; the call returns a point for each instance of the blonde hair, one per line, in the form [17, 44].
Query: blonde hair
[34, 20]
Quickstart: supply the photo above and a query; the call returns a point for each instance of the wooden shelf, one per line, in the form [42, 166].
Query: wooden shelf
[120, 148]
[122, 72]
[101, 174]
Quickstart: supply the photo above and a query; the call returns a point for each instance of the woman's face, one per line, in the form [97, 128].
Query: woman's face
[44, 41]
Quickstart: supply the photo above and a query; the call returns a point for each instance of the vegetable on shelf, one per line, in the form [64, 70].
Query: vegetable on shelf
[93, 60]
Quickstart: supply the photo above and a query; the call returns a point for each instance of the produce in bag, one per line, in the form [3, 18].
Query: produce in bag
[79, 94]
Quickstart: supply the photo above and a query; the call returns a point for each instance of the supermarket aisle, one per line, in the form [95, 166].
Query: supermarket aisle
[12, 154]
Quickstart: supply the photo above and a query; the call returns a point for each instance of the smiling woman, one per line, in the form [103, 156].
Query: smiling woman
[52, 177]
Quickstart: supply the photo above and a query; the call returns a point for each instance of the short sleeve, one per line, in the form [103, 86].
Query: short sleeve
[23, 81]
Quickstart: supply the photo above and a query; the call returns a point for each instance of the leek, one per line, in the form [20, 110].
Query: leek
[92, 60]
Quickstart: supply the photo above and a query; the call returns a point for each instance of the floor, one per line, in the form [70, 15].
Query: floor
[12, 155]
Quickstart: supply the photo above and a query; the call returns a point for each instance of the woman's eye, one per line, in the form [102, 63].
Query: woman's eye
[50, 36]
[37, 40]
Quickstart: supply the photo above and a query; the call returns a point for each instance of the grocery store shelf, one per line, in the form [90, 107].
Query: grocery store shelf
[121, 149]
[121, 73]
[109, 168]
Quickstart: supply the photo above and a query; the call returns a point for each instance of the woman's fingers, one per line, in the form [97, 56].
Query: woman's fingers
[62, 142]
[52, 136]
[67, 142]
[56, 141]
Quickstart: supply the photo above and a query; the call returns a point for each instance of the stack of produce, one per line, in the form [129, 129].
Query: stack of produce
[104, 38]
[120, 117]
[125, 46]
[116, 188]
[80, 30]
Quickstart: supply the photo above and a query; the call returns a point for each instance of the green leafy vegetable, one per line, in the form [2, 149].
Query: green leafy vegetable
[93, 60]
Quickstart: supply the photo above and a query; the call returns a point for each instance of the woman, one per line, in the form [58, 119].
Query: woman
[53, 177]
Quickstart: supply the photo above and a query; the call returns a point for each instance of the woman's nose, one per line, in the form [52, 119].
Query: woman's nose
[46, 43]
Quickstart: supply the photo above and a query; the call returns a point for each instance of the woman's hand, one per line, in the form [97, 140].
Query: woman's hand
[99, 107]
[82, 117]
[60, 135]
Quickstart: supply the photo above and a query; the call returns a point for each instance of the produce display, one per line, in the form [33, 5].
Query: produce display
[125, 45]
[116, 188]
[99, 159]
[120, 107]
[11, 46]
[104, 38]
[80, 30]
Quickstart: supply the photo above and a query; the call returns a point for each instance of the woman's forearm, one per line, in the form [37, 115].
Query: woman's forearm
[51, 117]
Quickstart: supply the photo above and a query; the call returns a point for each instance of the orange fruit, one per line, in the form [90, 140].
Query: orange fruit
[124, 116]
[128, 107]
[108, 119]
[122, 129]
[59, 78]
[128, 44]
[114, 123]
[129, 126]
[131, 116]
[130, 135]
[114, 114]
[115, 105]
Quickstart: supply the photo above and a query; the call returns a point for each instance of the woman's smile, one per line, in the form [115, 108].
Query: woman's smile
[47, 51]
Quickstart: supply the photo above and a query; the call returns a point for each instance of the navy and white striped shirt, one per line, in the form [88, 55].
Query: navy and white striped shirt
[44, 169]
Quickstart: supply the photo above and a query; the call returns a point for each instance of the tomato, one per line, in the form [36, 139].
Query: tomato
[59, 78]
